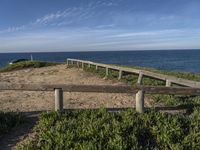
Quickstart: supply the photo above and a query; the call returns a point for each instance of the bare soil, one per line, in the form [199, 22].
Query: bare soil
[26, 101]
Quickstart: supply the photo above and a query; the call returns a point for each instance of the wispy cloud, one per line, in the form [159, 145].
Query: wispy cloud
[147, 33]
[13, 29]
[90, 39]
[69, 16]
[105, 26]
[98, 25]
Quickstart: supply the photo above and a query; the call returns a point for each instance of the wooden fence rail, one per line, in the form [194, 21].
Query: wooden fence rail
[139, 90]
[168, 79]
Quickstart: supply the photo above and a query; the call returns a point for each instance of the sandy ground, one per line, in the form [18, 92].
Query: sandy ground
[25, 101]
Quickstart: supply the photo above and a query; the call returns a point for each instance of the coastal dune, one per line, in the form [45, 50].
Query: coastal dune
[25, 101]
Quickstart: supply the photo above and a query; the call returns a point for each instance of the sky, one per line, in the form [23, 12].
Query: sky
[98, 25]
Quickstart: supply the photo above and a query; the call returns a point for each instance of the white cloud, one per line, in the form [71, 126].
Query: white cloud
[58, 15]
[105, 26]
[59, 18]
[147, 33]
[13, 29]
[54, 32]
[65, 17]
[93, 39]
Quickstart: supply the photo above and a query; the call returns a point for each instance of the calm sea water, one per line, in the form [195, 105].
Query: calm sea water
[179, 60]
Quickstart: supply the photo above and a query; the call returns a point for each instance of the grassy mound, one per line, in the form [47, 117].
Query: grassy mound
[27, 64]
[99, 129]
[9, 120]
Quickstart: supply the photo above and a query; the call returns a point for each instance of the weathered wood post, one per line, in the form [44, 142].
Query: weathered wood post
[88, 65]
[77, 64]
[168, 83]
[140, 101]
[96, 67]
[107, 71]
[67, 62]
[139, 81]
[120, 74]
[82, 65]
[58, 99]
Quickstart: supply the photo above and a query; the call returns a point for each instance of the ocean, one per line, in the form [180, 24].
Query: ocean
[173, 60]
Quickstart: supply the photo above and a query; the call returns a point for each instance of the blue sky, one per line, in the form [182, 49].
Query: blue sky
[91, 25]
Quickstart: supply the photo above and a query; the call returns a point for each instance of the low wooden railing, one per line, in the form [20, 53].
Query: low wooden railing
[139, 90]
[168, 79]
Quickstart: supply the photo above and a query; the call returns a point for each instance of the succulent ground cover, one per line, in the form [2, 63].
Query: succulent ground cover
[99, 129]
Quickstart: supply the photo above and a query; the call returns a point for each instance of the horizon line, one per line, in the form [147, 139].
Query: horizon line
[102, 51]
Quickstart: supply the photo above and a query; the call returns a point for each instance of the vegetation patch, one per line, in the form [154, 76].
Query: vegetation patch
[189, 102]
[124, 130]
[131, 78]
[9, 120]
[184, 75]
[27, 64]
[128, 78]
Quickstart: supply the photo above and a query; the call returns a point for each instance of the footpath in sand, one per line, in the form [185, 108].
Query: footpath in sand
[26, 101]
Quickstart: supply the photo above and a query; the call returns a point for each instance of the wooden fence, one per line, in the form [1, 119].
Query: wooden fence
[139, 90]
[168, 79]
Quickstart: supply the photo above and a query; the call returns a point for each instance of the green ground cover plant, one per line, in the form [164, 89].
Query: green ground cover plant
[27, 64]
[124, 130]
[178, 74]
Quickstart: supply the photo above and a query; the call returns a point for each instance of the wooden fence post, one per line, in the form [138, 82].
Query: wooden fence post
[58, 99]
[96, 67]
[140, 101]
[120, 74]
[168, 83]
[67, 62]
[77, 64]
[139, 81]
[82, 65]
[107, 71]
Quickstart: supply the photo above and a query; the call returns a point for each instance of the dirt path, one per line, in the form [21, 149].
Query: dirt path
[24, 101]
[36, 101]
[19, 133]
